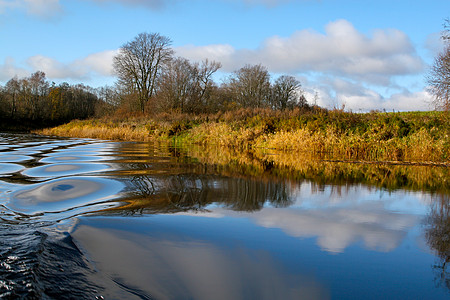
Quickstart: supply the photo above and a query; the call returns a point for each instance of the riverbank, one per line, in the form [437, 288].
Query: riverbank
[376, 136]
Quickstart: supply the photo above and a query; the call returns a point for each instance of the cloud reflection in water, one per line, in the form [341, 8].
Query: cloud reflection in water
[178, 267]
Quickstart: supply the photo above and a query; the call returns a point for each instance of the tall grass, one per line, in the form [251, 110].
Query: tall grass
[413, 136]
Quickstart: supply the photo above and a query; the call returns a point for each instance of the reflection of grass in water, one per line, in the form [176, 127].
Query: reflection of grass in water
[298, 166]
[245, 181]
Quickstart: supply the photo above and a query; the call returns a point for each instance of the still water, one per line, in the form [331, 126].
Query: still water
[87, 219]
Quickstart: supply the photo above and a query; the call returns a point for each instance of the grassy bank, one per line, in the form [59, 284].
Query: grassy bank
[412, 136]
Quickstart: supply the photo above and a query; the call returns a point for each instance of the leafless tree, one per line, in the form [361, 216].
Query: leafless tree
[176, 84]
[438, 77]
[140, 62]
[39, 88]
[285, 92]
[204, 83]
[186, 86]
[250, 86]
[12, 89]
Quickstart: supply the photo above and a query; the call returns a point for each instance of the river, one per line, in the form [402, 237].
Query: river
[90, 219]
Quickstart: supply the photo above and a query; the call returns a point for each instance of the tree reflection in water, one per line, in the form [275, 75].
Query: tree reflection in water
[438, 238]
[194, 192]
[174, 179]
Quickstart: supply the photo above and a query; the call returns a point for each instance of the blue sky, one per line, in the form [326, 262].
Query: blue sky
[361, 54]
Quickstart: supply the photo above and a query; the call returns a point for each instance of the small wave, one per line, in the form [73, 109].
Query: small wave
[35, 265]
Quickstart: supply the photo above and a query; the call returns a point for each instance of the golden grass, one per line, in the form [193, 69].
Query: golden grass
[423, 137]
[82, 129]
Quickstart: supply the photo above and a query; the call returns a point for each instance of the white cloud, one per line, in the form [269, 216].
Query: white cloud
[342, 50]
[40, 8]
[99, 63]
[335, 92]
[9, 69]
[51, 67]
[94, 65]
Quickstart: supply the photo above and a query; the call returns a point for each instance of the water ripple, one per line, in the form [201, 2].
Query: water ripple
[63, 194]
[58, 170]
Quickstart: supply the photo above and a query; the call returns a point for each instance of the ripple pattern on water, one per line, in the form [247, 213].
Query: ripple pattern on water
[52, 178]
[63, 194]
[9, 168]
[58, 170]
[12, 157]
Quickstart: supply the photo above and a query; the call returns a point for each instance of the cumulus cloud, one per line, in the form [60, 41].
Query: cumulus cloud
[39, 8]
[345, 65]
[51, 67]
[99, 63]
[356, 96]
[93, 65]
[341, 50]
[9, 69]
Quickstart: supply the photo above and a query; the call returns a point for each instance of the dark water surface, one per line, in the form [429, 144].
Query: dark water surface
[86, 219]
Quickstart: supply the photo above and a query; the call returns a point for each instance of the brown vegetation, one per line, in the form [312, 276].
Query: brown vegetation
[419, 137]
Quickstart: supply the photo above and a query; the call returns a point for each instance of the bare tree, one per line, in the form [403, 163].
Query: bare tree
[176, 84]
[439, 80]
[250, 86]
[39, 88]
[12, 90]
[186, 86]
[140, 62]
[438, 77]
[285, 92]
[204, 83]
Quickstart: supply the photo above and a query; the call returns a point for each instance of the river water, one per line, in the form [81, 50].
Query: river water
[89, 219]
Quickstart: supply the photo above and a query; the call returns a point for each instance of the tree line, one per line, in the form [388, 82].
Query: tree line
[34, 101]
[150, 79]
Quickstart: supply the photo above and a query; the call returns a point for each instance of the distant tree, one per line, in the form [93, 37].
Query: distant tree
[11, 91]
[286, 92]
[204, 85]
[108, 100]
[176, 85]
[38, 88]
[438, 77]
[187, 86]
[250, 86]
[140, 62]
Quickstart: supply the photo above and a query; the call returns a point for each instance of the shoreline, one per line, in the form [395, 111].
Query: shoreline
[419, 138]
